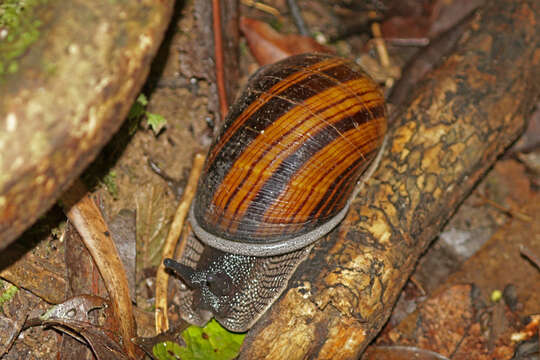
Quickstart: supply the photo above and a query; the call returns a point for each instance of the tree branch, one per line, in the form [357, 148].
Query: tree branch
[461, 117]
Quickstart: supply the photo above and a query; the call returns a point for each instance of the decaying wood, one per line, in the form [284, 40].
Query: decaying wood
[425, 60]
[71, 92]
[460, 119]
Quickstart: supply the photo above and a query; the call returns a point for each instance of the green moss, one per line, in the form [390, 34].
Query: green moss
[7, 292]
[19, 28]
[110, 183]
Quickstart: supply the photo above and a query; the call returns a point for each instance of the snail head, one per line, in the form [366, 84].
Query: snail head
[213, 284]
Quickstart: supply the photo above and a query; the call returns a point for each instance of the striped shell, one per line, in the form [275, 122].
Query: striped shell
[284, 167]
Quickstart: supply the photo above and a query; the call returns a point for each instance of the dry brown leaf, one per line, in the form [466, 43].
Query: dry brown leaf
[269, 46]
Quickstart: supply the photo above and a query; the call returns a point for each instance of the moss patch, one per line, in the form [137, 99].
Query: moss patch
[7, 292]
[19, 28]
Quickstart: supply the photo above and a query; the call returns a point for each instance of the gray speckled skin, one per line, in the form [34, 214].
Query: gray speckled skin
[251, 284]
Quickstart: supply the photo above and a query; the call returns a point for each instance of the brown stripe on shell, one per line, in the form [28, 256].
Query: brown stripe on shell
[345, 135]
[279, 143]
[233, 141]
[342, 185]
[261, 97]
[240, 187]
[297, 201]
[314, 79]
[312, 185]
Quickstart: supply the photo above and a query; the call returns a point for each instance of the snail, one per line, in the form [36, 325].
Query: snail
[291, 154]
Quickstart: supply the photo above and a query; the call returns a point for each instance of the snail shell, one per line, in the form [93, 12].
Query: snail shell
[280, 175]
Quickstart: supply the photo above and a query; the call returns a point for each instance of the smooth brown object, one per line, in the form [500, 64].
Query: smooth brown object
[72, 91]
[460, 119]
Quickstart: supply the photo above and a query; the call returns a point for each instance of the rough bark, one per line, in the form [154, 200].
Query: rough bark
[72, 90]
[459, 120]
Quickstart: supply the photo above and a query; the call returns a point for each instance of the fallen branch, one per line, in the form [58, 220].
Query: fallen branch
[86, 217]
[461, 117]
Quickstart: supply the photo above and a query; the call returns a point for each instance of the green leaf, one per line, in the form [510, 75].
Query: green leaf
[212, 342]
[141, 99]
[167, 350]
[110, 182]
[138, 108]
[156, 122]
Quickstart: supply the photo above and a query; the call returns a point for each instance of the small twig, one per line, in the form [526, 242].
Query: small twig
[263, 7]
[87, 219]
[176, 186]
[405, 42]
[418, 285]
[426, 60]
[297, 17]
[529, 255]
[162, 277]
[511, 212]
[380, 44]
[218, 55]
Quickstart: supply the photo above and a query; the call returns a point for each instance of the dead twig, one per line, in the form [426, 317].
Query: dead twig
[162, 277]
[87, 219]
[512, 212]
[382, 51]
[218, 56]
[297, 17]
[530, 255]
[262, 7]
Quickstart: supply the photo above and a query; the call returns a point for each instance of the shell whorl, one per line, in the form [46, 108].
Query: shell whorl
[283, 168]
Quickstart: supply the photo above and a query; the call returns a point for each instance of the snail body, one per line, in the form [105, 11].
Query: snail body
[280, 175]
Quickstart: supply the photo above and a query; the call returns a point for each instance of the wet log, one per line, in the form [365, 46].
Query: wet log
[460, 118]
[68, 76]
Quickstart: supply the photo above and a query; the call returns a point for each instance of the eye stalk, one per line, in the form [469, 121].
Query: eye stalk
[183, 271]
